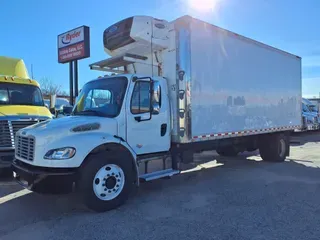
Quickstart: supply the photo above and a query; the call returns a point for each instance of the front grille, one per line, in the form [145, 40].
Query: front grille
[25, 147]
[17, 125]
[6, 136]
[8, 130]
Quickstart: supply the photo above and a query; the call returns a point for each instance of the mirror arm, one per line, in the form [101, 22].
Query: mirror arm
[151, 94]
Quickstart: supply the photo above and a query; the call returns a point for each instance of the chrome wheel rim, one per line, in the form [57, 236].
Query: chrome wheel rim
[108, 182]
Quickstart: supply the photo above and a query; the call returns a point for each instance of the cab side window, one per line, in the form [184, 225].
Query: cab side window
[140, 101]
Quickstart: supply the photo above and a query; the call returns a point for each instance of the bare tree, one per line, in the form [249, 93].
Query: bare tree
[63, 93]
[48, 87]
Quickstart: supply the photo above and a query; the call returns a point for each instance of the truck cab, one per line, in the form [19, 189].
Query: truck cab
[127, 113]
[131, 104]
[21, 105]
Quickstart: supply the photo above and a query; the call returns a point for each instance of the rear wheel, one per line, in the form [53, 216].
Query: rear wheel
[105, 183]
[274, 148]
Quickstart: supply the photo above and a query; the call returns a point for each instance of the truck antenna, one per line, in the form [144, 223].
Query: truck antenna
[31, 70]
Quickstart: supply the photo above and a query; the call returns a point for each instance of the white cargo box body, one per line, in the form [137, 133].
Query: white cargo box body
[233, 85]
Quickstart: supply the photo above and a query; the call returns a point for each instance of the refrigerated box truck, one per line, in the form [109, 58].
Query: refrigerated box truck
[179, 88]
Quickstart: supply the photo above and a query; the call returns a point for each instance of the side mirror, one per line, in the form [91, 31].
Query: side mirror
[156, 97]
[155, 109]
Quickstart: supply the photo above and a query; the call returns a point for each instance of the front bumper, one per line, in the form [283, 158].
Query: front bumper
[6, 159]
[30, 176]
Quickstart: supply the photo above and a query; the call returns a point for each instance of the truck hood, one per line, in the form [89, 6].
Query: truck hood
[23, 110]
[57, 133]
[52, 130]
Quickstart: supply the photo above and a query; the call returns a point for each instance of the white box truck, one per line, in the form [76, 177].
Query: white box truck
[179, 88]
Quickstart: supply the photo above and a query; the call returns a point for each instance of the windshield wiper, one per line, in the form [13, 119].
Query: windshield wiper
[89, 112]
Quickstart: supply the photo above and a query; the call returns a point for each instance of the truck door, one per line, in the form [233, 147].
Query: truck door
[147, 132]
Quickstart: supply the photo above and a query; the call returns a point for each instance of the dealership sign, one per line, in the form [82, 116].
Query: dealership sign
[74, 45]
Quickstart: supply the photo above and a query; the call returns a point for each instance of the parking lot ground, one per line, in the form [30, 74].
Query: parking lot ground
[222, 198]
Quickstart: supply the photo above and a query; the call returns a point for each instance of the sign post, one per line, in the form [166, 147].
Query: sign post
[72, 46]
[71, 82]
[76, 78]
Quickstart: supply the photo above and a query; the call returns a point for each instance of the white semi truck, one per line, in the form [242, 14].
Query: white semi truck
[179, 88]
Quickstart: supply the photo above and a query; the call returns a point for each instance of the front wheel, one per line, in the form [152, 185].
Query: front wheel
[105, 183]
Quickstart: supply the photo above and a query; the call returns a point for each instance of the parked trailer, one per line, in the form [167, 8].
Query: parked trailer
[180, 87]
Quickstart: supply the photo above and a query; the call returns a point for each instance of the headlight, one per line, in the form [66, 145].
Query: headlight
[60, 153]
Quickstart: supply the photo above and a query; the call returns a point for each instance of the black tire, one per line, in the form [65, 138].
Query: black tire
[273, 148]
[227, 151]
[87, 173]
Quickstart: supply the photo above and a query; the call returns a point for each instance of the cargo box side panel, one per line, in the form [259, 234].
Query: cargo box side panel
[240, 85]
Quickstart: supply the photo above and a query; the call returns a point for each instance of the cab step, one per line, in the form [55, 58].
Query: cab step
[159, 174]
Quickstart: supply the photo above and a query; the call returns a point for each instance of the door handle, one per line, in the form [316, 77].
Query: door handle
[163, 129]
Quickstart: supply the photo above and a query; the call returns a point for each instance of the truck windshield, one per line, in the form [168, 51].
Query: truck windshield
[102, 97]
[20, 94]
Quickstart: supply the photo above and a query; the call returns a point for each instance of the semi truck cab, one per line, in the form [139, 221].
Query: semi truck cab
[21, 105]
[310, 119]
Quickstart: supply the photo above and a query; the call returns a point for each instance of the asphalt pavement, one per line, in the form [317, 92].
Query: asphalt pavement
[222, 198]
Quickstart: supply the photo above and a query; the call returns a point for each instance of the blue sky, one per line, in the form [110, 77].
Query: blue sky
[29, 29]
